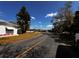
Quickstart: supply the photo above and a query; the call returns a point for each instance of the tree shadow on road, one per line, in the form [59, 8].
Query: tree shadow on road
[67, 52]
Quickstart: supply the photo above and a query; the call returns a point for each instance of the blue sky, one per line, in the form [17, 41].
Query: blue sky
[41, 12]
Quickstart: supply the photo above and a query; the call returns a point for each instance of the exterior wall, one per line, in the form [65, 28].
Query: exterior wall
[2, 30]
[14, 30]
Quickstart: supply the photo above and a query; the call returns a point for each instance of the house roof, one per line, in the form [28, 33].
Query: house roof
[4, 22]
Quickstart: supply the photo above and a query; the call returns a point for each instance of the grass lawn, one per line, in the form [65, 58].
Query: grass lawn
[12, 39]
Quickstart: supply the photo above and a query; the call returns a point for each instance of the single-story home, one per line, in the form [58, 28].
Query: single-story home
[8, 29]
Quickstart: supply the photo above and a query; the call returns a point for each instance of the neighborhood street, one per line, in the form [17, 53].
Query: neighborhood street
[44, 46]
[41, 46]
[39, 29]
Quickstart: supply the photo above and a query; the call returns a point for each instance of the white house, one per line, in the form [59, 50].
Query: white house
[8, 29]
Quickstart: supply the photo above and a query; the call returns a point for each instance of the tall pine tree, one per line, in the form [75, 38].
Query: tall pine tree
[23, 20]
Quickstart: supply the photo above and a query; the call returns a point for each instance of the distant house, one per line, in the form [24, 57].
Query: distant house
[8, 29]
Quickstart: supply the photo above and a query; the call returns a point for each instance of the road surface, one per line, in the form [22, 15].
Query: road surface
[42, 46]
[45, 47]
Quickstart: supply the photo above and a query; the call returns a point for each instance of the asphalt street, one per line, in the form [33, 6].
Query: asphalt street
[45, 47]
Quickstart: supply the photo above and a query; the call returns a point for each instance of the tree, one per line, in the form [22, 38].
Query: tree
[59, 18]
[23, 19]
[65, 15]
[68, 12]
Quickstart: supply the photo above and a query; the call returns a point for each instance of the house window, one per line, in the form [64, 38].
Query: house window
[9, 31]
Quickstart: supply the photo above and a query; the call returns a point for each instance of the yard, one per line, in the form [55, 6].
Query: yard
[12, 39]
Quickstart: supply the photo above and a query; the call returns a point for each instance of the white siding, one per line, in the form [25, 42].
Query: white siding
[15, 31]
[2, 30]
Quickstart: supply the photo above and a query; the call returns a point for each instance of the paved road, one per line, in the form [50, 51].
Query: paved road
[50, 45]
[46, 49]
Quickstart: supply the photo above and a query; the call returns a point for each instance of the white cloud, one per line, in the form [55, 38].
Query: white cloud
[36, 25]
[39, 22]
[50, 26]
[51, 14]
[33, 18]
[31, 27]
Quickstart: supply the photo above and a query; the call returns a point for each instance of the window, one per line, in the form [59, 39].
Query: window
[9, 31]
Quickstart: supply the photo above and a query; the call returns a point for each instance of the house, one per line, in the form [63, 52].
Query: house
[8, 29]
